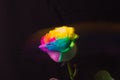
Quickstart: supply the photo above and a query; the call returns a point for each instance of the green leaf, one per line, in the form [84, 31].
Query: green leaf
[103, 75]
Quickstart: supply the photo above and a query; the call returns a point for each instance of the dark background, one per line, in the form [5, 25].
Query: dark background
[99, 49]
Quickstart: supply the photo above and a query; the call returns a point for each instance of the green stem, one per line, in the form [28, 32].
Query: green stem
[70, 71]
[75, 71]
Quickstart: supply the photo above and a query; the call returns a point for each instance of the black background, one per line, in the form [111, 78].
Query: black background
[21, 18]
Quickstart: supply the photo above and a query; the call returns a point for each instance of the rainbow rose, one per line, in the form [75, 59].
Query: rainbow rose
[59, 43]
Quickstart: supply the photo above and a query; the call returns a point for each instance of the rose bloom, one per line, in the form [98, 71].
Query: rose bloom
[59, 43]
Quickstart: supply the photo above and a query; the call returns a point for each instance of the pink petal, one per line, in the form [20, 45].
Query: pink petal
[43, 47]
[54, 56]
[42, 40]
[52, 39]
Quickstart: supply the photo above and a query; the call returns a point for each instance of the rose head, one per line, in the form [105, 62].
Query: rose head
[59, 43]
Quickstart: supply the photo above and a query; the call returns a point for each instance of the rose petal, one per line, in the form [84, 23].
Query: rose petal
[59, 45]
[54, 55]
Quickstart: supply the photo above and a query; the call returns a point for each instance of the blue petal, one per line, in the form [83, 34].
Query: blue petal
[59, 45]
